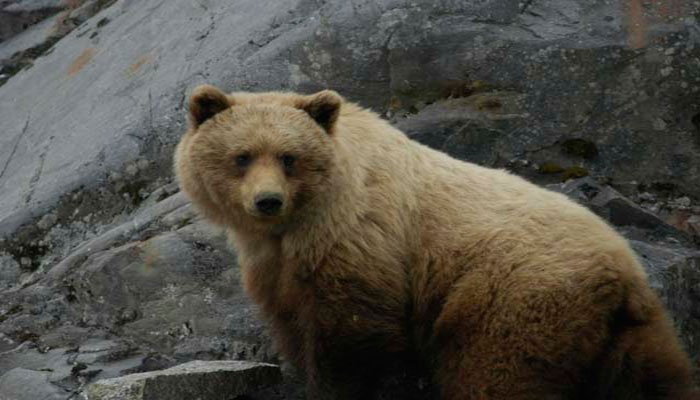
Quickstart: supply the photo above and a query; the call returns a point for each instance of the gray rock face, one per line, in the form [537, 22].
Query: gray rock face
[24, 384]
[18, 15]
[68, 369]
[212, 380]
[675, 273]
[554, 84]
[32, 5]
[561, 72]
[141, 90]
[60, 16]
[146, 294]
[20, 51]
[9, 271]
[33, 37]
[105, 270]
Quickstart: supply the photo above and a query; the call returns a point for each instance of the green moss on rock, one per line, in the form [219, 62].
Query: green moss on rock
[551, 168]
[574, 172]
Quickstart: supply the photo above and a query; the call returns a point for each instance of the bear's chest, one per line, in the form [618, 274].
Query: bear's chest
[347, 293]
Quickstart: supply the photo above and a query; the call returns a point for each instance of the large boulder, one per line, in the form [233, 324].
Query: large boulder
[213, 380]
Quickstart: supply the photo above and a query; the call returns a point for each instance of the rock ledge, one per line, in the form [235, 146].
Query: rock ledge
[202, 380]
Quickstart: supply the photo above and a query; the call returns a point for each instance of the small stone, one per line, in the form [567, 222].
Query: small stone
[47, 221]
[9, 271]
[648, 197]
[97, 345]
[659, 124]
[666, 71]
[158, 194]
[25, 262]
[115, 176]
[681, 202]
[143, 164]
[655, 208]
[420, 105]
[132, 170]
[126, 316]
[171, 188]
[694, 224]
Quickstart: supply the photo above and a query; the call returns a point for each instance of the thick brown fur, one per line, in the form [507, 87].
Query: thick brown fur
[384, 246]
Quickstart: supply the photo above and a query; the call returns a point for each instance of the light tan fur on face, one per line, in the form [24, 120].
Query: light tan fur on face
[266, 133]
[505, 290]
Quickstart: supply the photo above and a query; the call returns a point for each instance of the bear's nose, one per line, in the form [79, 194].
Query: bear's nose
[268, 203]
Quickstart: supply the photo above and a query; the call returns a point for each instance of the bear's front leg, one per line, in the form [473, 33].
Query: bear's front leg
[344, 354]
[336, 374]
[353, 326]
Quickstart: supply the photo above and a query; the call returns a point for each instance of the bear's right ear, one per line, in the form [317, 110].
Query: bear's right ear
[323, 107]
[206, 101]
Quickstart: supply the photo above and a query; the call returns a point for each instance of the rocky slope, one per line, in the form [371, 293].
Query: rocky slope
[105, 269]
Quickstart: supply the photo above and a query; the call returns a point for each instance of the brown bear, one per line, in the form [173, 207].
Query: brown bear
[360, 244]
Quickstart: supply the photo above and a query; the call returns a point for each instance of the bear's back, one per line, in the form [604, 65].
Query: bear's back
[459, 205]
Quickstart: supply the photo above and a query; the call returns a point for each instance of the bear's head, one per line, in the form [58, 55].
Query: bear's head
[255, 161]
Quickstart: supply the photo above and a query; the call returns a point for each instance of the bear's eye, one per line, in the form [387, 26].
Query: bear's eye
[243, 160]
[288, 160]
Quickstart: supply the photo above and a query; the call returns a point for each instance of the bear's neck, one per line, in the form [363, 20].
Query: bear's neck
[330, 217]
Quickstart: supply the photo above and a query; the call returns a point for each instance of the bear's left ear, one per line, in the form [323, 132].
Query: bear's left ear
[323, 107]
[206, 101]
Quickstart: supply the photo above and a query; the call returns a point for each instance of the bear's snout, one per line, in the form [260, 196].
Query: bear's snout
[268, 203]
